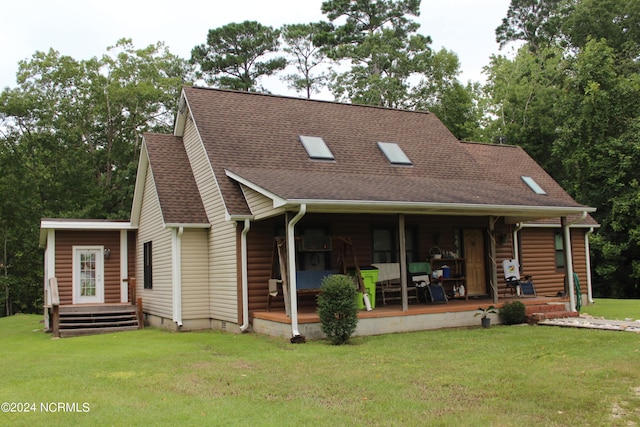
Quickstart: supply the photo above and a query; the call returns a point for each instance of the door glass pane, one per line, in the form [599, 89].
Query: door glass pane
[88, 274]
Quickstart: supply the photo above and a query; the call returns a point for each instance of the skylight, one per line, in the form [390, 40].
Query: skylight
[316, 147]
[394, 153]
[533, 185]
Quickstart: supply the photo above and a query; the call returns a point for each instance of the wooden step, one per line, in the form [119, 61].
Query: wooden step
[96, 319]
[93, 309]
[65, 333]
[94, 325]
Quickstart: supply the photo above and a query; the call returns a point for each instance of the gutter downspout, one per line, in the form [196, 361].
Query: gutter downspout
[515, 239]
[291, 261]
[177, 276]
[588, 259]
[568, 262]
[245, 279]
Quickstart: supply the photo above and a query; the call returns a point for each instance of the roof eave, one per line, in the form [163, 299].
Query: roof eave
[187, 225]
[68, 224]
[518, 213]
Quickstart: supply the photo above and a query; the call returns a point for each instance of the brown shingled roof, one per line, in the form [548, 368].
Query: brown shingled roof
[180, 200]
[256, 137]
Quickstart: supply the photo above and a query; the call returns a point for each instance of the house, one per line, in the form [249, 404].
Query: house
[250, 184]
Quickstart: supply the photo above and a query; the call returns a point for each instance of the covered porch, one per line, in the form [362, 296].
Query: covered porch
[474, 246]
[393, 318]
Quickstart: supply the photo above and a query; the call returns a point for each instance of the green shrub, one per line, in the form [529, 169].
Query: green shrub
[337, 308]
[512, 313]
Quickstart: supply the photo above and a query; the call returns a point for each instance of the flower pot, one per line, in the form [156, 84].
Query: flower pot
[486, 322]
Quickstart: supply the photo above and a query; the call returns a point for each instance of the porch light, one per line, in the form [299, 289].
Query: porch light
[107, 253]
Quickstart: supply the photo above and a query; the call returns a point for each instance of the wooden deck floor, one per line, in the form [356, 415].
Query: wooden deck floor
[309, 315]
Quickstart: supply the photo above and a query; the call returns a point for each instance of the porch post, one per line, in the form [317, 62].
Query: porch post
[50, 261]
[492, 258]
[568, 261]
[124, 267]
[587, 255]
[403, 262]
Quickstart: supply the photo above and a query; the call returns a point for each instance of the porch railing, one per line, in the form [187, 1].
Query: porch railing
[52, 306]
[131, 281]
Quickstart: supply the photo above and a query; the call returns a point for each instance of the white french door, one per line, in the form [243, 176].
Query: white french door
[88, 274]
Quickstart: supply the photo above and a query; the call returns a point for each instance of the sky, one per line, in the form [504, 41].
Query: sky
[84, 29]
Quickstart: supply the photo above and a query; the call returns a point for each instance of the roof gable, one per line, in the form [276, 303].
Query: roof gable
[178, 194]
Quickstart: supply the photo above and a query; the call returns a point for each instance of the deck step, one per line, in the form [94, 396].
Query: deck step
[534, 318]
[544, 308]
[87, 320]
[66, 333]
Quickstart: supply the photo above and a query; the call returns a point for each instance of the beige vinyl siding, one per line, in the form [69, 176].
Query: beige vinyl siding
[195, 275]
[223, 285]
[261, 206]
[156, 301]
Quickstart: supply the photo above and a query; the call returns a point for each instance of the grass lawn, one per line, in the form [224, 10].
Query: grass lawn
[502, 376]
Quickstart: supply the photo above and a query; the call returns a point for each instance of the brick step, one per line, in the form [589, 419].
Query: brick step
[534, 318]
[543, 308]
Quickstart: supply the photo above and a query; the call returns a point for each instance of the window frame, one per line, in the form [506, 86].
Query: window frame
[412, 247]
[147, 264]
[559, 251]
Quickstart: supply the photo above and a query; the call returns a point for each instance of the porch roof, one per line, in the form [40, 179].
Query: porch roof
[81, 224]
[418, 195]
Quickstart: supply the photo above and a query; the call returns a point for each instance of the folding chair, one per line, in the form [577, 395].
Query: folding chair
[512, 280]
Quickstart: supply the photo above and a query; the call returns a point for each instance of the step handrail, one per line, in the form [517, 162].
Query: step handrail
[52, 298]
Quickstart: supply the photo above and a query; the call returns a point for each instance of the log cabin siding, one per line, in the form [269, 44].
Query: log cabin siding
[195, 275]
[259, 255]
[66, 240]
[158, 300]
[223, 275]
[538, 258]
[358, 227]
[538, 251]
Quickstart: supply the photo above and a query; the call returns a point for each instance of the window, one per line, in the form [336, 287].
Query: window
[559, 246]
[314, 248]
[394, 153]
[316, 148]
[148, 266]
[386, 245]
[533, 185]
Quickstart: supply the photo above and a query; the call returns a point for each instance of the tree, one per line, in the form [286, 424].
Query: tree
[600, 148]
[440, 92]
[615, 21]
[523, 94]
[571, 98]
[236, 55]
[69, 146]
[306, 57]
[535, 22]
[378, 41]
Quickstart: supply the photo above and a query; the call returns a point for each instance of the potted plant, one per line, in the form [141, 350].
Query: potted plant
[484, 313]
